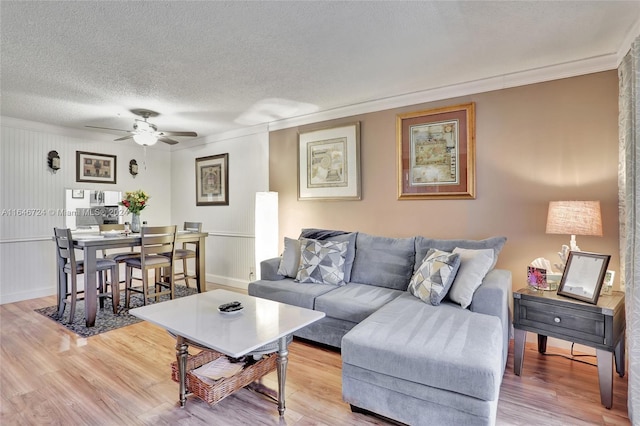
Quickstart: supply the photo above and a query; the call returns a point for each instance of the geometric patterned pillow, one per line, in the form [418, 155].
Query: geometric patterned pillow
[322, 261]
[433, 279]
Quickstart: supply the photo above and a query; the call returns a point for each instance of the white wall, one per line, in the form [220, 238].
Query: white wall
[27, 257]
[230, 245]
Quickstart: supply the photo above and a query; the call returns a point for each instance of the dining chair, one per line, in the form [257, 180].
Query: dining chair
[68, 270]
[155, 241]
[120, 256]
[184, 253]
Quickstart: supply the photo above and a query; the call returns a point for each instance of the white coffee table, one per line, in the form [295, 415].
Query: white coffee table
[196, 319]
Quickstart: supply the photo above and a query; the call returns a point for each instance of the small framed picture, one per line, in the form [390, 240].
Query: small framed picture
[583, 276]
[93, 167]
[212, 180]
[77, 193]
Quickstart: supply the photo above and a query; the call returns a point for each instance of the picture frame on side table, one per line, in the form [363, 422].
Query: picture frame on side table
[436, 153]
[583, 276]
[329, 163]
[94, 167]
[212, 180]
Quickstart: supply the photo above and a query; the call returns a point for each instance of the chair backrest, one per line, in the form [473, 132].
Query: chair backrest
[111, 227]
[193, 226]
[157, 240]
[64, 247]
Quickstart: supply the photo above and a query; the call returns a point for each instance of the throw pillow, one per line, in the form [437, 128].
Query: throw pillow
[290, 260]
[322, 262]
[474, 266]
[338, 236]
[434, 277]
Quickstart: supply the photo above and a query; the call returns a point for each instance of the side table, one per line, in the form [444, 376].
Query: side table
[600, 326]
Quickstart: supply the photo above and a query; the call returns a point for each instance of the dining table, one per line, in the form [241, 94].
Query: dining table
[93, 242]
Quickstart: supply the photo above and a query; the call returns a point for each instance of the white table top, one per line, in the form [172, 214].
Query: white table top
[197, 318]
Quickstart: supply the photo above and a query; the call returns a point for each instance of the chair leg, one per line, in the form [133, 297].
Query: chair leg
[115, 288]
[74, 296]
[127, 284]
[145, 286]
[63, 290]
[184, 271]
[101, 288]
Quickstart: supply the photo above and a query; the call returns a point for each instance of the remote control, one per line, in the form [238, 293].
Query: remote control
[231, 306]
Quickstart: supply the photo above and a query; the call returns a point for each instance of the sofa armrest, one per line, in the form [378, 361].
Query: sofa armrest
[269, 270]
[493, 297]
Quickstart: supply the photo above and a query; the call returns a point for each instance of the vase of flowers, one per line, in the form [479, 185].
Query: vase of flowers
[135, 202]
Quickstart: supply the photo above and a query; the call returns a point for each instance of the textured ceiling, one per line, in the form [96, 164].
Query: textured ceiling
[212, 67]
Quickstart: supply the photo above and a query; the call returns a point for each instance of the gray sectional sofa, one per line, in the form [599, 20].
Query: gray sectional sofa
[416, 360]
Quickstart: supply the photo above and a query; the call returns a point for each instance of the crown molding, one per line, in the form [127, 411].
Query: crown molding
[505, 81]
[632, 36]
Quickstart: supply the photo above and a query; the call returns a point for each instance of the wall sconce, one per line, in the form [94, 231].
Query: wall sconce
[133, 168]
[53, 159]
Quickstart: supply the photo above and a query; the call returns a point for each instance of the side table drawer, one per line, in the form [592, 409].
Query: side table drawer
[563, 321]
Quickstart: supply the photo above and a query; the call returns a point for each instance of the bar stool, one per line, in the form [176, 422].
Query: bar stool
[184, 254]
[156, 241]
[68, 266]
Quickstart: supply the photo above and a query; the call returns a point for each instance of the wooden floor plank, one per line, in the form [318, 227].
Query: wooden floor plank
[49, 375]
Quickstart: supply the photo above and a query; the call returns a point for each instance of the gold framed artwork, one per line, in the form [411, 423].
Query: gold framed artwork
[436, 153]
[329, 163]
[93, 167]
[212, 180]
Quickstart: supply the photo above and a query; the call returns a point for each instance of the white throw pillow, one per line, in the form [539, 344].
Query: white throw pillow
[290, 260]
[474, 266]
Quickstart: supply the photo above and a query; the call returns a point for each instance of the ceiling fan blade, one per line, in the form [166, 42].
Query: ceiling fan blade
[123, 138]
[108, 128]
[167, 140]
[167, 133]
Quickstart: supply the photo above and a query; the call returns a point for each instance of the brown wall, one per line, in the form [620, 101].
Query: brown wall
[534, 144]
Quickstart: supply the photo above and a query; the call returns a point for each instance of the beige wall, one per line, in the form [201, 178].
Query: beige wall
[534, 144]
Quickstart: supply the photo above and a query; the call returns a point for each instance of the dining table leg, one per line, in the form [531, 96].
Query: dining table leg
[90, 285]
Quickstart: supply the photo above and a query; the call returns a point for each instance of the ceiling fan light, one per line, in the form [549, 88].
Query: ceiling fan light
[145, 139]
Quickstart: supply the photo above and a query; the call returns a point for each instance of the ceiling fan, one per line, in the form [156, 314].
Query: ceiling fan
[145, 133]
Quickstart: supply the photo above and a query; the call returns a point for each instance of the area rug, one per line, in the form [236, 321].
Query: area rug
[106, 320]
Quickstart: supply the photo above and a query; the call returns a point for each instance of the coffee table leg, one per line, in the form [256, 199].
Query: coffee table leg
[181, 357]
[283, 359]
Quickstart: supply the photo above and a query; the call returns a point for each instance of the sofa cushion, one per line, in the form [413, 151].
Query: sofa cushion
[474, 265]
[354, 302]
[433, 279]
[424, 244]
[321, 262]
[443, 346]
[290, 292]
[290, 259]
[339, 236]
[384, 262]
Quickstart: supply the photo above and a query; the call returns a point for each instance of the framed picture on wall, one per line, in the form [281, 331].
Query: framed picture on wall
[436, 153]
[77, 193]
[329, 163]
[93, 167]
[212, 180]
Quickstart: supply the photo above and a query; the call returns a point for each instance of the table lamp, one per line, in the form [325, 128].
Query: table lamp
[573, 218]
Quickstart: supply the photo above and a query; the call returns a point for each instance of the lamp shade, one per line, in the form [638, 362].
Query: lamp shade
[574, 218]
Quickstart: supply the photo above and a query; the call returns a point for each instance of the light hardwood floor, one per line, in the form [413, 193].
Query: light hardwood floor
[48, 375]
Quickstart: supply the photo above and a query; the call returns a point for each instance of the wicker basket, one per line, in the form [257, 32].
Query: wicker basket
[212, 393]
